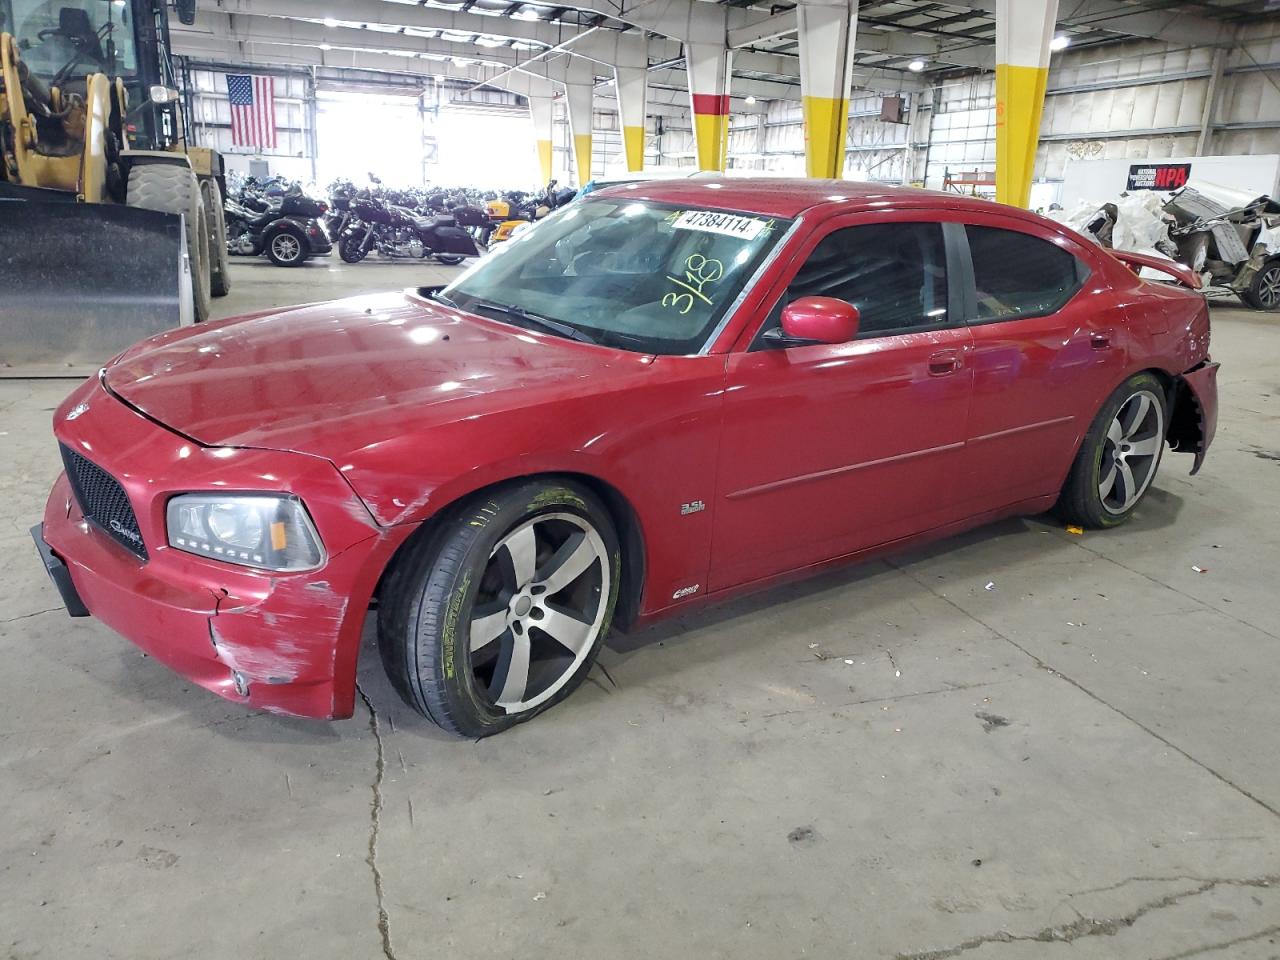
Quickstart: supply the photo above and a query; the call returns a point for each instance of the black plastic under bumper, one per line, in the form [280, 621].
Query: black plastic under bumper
[59, 574]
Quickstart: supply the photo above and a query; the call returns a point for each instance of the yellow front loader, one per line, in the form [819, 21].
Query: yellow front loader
[111, 227]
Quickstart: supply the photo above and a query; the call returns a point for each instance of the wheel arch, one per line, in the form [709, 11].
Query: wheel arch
[626, 522]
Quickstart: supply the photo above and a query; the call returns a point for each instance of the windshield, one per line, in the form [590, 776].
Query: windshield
[72, 37]
[631, 274]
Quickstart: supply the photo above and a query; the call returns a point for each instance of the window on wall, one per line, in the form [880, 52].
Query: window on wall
[894, 273]
[1018, 275]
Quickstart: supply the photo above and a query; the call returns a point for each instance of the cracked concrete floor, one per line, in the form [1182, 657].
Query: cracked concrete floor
[889, 761]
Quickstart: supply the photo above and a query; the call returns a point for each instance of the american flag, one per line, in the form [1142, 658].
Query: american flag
[253, 110]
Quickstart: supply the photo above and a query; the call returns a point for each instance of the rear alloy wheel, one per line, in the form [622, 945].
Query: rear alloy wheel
[1264, 289]
[1119, 456]
[500, 614]
[286, 250]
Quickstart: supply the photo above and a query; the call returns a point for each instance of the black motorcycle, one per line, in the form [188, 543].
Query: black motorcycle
[399, 233]
[286, 229]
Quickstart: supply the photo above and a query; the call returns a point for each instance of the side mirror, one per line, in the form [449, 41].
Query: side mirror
[816, 320]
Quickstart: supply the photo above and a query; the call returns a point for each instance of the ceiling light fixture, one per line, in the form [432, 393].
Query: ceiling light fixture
[325, 46]
[749, 100]
[915, 66]
[1060, 42]
[330, 22]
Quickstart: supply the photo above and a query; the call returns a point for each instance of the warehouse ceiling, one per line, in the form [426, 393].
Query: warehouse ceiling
[892, 37]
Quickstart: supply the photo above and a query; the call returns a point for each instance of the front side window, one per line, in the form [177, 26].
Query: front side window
[70, 38]
[1018, 275]
[631, 274]
[894, 273]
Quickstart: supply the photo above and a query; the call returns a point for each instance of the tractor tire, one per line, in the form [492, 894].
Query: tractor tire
[219, 263]
[172, 188]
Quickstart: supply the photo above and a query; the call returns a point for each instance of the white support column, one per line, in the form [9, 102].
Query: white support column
[540, 109]
[1023, 31]
[709, 67]
[579, 83]
[827, 29]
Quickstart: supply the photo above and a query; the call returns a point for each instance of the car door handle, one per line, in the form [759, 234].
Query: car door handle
[944, 363]
[1100, 339]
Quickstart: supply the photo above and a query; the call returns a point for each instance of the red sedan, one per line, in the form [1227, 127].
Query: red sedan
[663, 394]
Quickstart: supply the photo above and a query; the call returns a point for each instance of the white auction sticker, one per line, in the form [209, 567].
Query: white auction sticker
[730, 224]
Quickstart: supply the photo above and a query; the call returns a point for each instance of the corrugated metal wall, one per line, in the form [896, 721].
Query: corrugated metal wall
[211, 122]
[1141, 99]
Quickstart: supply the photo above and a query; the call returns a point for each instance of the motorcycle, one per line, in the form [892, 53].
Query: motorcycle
[286, 229]
[400, 233]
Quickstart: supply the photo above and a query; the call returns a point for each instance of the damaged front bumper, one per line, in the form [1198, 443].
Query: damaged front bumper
[285, 643]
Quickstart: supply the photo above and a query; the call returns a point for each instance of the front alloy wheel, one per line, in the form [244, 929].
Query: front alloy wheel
[497, 612]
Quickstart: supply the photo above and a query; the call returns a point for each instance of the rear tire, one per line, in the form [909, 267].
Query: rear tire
[219, 259]
[497, 613]
[1119, 456]
[450, 259]
[287, 249]
[173, 188]
[1263, 292]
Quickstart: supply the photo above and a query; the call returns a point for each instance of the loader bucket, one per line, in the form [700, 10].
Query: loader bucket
[80, 282]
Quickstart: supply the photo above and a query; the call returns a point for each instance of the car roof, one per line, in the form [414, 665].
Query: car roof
[789, 197]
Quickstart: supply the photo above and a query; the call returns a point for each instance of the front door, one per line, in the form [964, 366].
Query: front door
[828, 449]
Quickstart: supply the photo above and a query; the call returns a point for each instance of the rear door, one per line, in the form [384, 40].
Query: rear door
[1047, 349]
[828, 449]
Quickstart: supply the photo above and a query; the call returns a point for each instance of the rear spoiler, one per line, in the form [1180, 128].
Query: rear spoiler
[1179, 271]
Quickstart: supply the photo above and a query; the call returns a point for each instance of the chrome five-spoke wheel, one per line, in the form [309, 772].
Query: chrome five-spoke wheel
[496, 612]
[539, 610]
[1131, 451]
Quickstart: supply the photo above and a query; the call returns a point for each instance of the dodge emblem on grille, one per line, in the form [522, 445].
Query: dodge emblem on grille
[77, 410]
[131, 535]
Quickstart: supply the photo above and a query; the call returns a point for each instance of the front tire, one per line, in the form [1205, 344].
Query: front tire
[1119, 456]
[173, 188]
[351, 250]
[499, 612]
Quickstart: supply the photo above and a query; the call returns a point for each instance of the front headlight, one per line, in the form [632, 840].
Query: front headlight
[267, 531]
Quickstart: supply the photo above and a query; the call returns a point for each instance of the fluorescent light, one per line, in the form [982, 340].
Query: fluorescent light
[325, 46]
[1060, 42]
[915, 66]
[330, 22]
[525, 13]
[749, 100]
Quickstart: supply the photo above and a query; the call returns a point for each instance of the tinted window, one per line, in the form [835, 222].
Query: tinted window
[894, 273]
[1018, 275]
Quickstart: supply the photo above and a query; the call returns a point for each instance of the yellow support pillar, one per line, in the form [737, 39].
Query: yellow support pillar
[579, 99]
[826, 29]
[1024, 29]
[631, 84]
[708, 67]
[540, 109]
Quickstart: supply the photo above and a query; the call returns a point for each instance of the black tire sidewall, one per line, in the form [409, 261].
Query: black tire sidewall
[1253, 295]
[1080, 502]
[302, 248]
[442, 591]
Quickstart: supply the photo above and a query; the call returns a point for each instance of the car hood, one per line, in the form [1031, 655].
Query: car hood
[331, 378]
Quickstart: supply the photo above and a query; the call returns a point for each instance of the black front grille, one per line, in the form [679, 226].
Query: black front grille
[104, 502]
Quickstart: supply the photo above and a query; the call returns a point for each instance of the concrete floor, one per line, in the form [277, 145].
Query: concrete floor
[890, 761]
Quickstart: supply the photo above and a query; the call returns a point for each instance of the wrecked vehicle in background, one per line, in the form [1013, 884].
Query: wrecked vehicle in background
[1229, 238]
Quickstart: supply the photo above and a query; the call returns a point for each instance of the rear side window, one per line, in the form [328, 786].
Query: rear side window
[1018, 275]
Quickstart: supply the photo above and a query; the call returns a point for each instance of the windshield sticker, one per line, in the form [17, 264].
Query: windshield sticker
[699, 271]
[728, 224]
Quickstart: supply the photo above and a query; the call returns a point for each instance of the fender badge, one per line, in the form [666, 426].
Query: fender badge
[77, 410]
[697, 506]
[686, 592]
